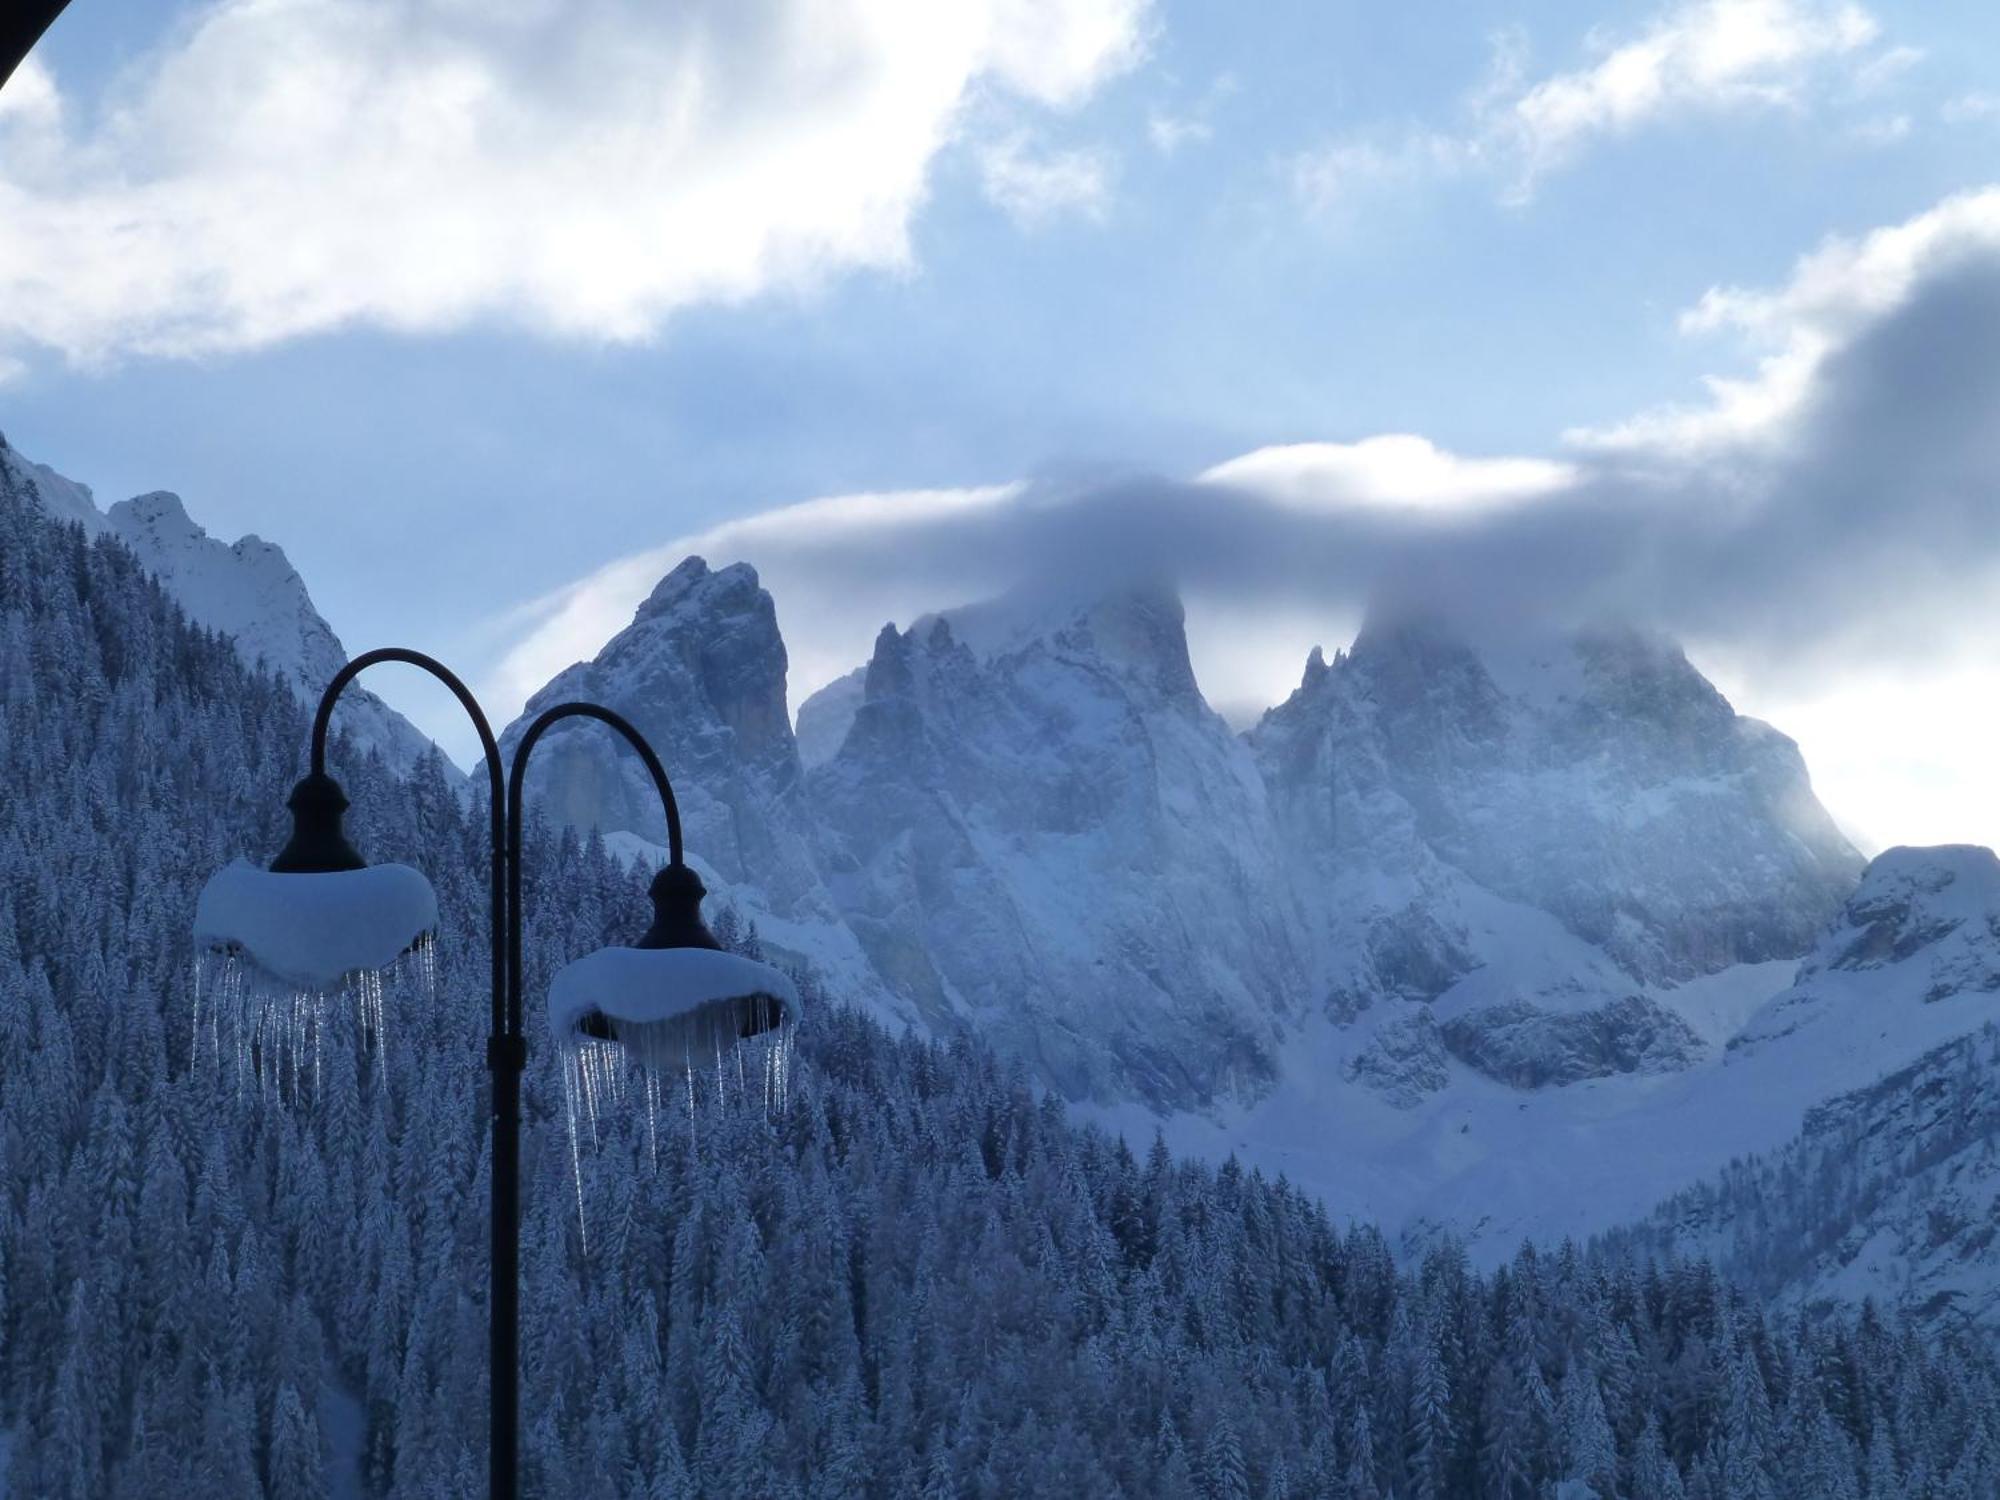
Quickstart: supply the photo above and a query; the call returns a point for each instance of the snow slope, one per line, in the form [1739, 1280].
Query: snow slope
[247, 590]
[1891, 1189]
[1909, 965]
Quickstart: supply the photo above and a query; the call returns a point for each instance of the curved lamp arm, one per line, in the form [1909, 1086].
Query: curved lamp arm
[516, 790]
[322, 721]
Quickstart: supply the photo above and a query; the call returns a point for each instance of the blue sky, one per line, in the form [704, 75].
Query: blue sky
[1093, 235]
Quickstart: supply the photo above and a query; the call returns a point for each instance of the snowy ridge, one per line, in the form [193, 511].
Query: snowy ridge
[246, 590]
[62, 498]
[1057, 843]
[1891, 1192]
[1022, 817]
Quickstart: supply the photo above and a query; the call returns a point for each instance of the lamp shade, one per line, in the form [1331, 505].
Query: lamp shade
[288, 965]
[312, 931]
[674, 1007]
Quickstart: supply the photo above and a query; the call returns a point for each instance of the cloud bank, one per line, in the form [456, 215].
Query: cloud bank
[580, 167]
[1850, 525]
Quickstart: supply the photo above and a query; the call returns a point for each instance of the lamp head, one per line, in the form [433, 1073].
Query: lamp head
[676, 998]
[677, 923]
[318, 845]
[301, 953]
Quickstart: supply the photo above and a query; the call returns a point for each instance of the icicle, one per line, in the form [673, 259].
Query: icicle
[275, 1034]
[606, 1082]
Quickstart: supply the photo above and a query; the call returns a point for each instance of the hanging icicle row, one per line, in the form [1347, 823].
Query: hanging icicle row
[271, 1036]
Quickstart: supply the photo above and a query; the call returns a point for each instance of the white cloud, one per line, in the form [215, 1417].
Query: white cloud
[1333, 178]
[1393, 471]
[840, 566]
[1706, 56]
[1821, 535]
[1032, 184]
[1885, 69]
[1970, 109]
[285, 167]
[1169, 133]
[1833, 295]
[1881, 130]
[30, 98]
[1703, 57]
[1170, 130]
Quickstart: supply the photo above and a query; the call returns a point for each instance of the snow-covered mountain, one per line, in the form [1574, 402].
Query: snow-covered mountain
[247, 590]
[1519, 840]
[1022, 818]
[966, 851]
[700, 672]
[1507, 941]
[1038, 829]
[1891, 1189]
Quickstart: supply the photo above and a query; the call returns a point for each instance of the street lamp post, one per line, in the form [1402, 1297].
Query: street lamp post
[320, 914]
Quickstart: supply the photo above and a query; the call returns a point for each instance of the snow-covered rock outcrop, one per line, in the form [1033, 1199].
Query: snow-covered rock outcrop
[1891, 1186]
[247, 590]
[1922, 928]
[1038, 828]
[700, 672]
[1596, 777]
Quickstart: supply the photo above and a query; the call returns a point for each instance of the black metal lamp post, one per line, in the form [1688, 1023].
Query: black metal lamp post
[321, 912]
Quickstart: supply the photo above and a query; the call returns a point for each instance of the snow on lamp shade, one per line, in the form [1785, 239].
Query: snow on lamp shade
[667, 1022]
[290, 964]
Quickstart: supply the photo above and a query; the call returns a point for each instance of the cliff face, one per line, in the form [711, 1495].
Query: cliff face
[1038, 828]
[1598, 778]
[1022, 817]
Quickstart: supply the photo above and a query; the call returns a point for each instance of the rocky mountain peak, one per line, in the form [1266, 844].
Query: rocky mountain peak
[247, 590]
[156, 508]
[1595, 775]
[716, 592]
[709, 639]
[1142, 631]
[1316, 670]
[700, 672]
[1941, 902]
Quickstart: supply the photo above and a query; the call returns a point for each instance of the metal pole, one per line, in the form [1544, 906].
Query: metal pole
[512, 1057]
[506, 1057]
[506, 1046]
